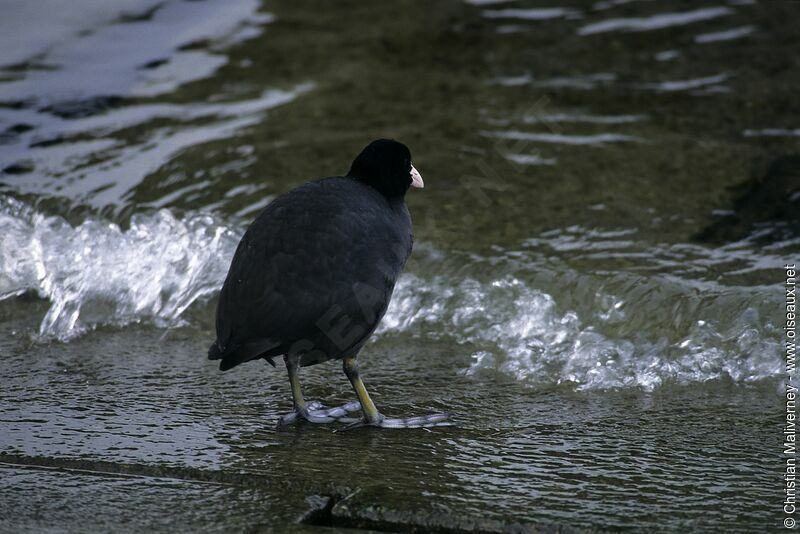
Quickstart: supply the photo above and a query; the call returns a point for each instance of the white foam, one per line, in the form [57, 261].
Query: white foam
[97, 273]
[526, 313]
[518, 330]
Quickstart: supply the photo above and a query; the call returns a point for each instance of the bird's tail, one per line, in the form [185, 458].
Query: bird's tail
[214, 353]
[237, 354]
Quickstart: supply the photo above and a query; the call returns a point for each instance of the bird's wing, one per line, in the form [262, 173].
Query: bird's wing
[314, 265]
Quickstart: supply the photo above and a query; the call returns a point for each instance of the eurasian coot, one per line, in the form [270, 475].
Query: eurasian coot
[313, 276]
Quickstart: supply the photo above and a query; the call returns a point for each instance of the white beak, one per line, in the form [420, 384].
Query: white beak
[416, 178]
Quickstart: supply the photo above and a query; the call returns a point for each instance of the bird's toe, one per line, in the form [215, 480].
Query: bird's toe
[288, 419]
[316, 412]
[423, 421]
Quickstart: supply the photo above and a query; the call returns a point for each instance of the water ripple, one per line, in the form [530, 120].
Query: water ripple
[655, 22]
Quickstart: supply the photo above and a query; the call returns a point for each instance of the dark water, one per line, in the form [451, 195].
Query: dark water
[611, 367]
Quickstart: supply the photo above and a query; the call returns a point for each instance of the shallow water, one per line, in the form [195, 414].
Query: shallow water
[608, 368]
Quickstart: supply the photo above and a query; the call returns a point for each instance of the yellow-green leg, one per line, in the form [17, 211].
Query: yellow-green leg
[294, 381]
[314, 411]
[371, 414]
[372, 417]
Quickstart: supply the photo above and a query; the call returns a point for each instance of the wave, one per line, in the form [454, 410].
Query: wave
[528, 314]
[519, 331]
[96, 273]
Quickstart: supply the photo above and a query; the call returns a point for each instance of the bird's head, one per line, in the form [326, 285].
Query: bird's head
[385, 164]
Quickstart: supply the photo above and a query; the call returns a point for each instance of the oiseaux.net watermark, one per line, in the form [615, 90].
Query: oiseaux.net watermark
[790, 503]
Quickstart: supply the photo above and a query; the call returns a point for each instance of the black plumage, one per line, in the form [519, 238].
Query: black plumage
[314, 272]
[313, 275]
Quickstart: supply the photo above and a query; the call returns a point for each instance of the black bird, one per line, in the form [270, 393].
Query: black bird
[313, 276]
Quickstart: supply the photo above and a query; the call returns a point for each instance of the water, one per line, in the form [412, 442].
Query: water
[609, 368]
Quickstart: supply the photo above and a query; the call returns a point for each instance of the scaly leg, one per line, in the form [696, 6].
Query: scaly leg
[372, 417]
[313, 411]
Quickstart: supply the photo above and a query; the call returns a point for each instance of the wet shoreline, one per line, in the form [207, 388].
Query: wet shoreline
[595, 287]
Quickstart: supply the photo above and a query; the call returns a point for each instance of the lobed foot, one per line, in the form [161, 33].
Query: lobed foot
[422, 421]
[316, 412]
